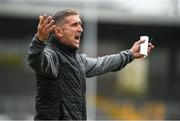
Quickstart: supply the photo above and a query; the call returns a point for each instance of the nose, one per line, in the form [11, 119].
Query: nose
[80, 29]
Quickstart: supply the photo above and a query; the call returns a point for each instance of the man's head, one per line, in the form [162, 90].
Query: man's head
[68, 27]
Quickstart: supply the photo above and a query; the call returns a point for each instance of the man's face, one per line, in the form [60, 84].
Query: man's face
[71, 31]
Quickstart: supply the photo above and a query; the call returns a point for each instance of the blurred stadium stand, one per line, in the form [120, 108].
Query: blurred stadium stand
[144, 90]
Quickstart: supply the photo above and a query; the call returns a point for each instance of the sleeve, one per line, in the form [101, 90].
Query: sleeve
[43, 60]
[108, 63]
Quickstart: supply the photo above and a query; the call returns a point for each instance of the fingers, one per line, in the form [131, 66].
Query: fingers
[149, 50]
[45, 26]
[47, 20]
[46, 23]
[50, 26]
[42, 18]
[151, 45]
[51, 29]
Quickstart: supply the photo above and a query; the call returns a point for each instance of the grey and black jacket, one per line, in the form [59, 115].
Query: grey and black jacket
[60, 74]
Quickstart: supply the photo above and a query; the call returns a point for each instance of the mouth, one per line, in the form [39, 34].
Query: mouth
[77, 37]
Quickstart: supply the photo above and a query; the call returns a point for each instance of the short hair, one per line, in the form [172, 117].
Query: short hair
[60, 16]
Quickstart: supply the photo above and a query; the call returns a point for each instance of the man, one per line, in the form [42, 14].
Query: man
[61, 72]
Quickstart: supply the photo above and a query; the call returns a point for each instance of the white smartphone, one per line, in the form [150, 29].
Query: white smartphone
[144, 46]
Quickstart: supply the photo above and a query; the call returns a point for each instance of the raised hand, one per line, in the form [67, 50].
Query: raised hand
[136, 49]
[45, 26]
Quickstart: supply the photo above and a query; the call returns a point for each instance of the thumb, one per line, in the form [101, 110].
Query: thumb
[40, 19]
[140, 42]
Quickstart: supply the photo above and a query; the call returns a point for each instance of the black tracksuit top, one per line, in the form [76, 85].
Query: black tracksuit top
[60, 74]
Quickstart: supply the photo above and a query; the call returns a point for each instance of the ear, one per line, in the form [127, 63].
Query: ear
[58, 32]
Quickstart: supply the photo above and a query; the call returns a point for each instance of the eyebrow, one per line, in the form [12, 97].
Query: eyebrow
[80, 22]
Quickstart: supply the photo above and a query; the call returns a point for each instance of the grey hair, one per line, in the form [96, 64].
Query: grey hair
[60, 16]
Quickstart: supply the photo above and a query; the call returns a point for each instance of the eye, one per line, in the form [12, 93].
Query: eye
[75, 24]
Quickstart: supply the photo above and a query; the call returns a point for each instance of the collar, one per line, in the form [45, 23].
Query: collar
[56, 43]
